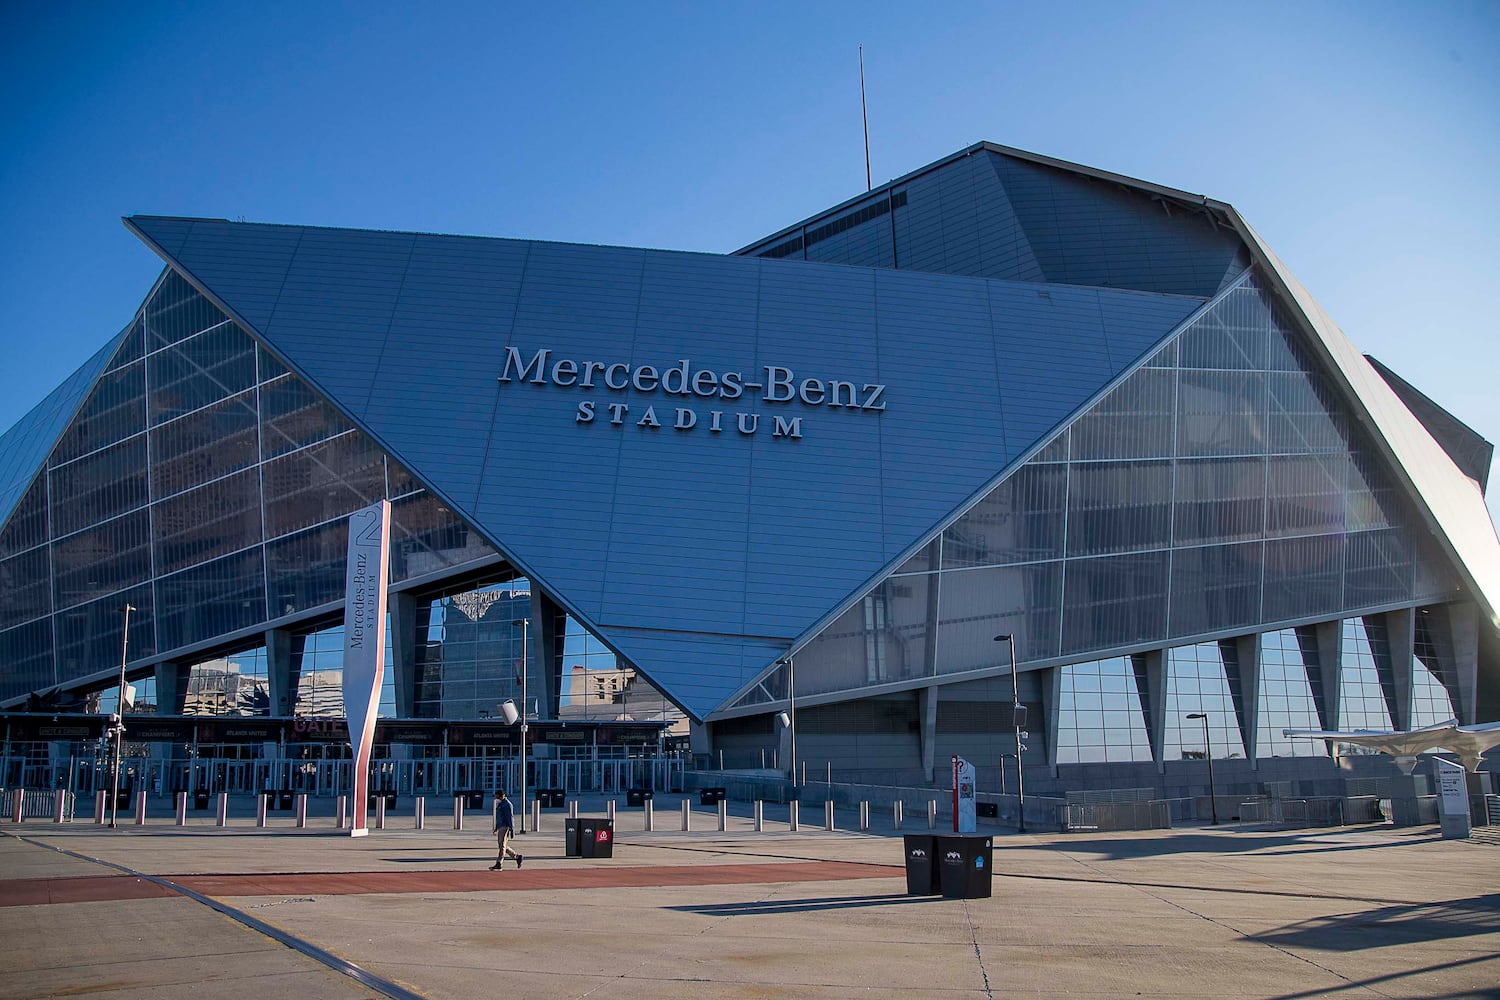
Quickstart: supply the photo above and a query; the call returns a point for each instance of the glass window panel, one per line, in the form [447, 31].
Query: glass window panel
[1118, 506]
[308, 569]
[1377, 569]
[1021, 520]
[977, 605]
[176, 311]
[201, 370]
[237, 684]
[1219, 500]
[399, 482]
[1056, 450]
[426, 536]
[1215, 587]
[882, 638]
[115, 410]
[1133, 421]
[323, 482]
[1087, 733]
[212, 599]
[27, 526]
[1200, 679]
[293, 416]
[1303, 577]
[132, 347]
[104, 559]
[204, 446]
[1234, 335]
[1371, 499]
[1114, 601]
[924, 561]
[89, 636]
[99, 487]
[1304, 417]
[26, 652]
[473, 659]
[1362, 704]
[208, 522]
[24, 591]
[270, 368]
[1221, 413]
[1306, 494]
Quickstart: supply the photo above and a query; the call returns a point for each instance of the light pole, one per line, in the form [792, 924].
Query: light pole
[1017, 716]
[1208, 752]
[525, 624]
[119, 725]
[789, 717]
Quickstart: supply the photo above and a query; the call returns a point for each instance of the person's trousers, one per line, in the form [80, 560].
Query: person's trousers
[503, 839]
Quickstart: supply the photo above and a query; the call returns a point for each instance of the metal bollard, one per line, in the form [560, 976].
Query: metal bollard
[828, 815]
[897, 809]
[59, 805]
[864, 815]
[301, 810]
[932, 814]
[723, 815]
[222, 815]
[573, 809]
[421, 812]
[687, 815]
[458, 812]
[99, 806]
[140, 808]
[536, 815]
[649, 815]
[341, 814]
[792, 815]
[181, 808]
[760, 816]
[15, 806]
[380, 812]
[609, 810]
[261, 801]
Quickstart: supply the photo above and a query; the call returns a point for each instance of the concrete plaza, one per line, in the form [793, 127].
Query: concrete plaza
[1197, 912]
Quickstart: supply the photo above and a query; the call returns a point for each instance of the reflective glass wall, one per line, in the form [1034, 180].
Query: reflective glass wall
[206, 486]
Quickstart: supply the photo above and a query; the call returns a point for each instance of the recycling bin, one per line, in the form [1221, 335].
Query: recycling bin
[552, 798]
[200, 798]
[284, 798]
[572, 846]
[922, 871]
[596, 837]
[637, 796]
[966, 864]
[711, 796]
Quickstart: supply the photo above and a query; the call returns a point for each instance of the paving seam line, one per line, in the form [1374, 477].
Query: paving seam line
[364, 977]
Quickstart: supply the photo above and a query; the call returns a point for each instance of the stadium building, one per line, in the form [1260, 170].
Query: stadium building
[1002, 395]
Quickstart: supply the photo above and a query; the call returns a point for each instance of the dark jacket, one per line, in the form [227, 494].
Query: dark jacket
[505, 816]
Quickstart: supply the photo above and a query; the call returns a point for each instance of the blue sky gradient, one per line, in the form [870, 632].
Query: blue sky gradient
[1360, 139]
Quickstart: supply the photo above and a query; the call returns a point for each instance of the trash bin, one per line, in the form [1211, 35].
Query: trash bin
[921, 869]
[473, 799]
[284, 797]
[200, 798]
[966, 863]
[711, 796]
[552, 798]
[571, 845]
[637, 796]
[390, 798]
[596, 837]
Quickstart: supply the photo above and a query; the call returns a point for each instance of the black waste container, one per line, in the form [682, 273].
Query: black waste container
[552, 798]
[200, 799]
[966, 862]
[596, 837]
[390, 798]
[571, 844]
[921, 867]
[711, 796]
[473, 799]
[284, 797]
[637, 796]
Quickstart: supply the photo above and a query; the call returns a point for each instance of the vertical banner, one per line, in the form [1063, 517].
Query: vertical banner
[364, 642]
[963, 796]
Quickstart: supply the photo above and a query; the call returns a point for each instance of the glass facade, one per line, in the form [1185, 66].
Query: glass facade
[208, 487]
[470, 653]
[1102, 717]
[1365, 677]
[1203, 678]
[1290, 694]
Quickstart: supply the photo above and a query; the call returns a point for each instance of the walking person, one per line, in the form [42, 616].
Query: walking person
[505, 829]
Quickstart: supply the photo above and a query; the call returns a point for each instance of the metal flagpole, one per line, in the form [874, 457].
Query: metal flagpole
[119, 722]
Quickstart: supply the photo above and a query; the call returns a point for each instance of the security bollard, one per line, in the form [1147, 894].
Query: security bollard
[828, 815]
[649, 816]
[222, 817]
[15, 808]
[99, 801]
[792, 816]
[609, 810]
[864, 815]
[59, 806]
[421, 812]
[262, 801]
[687, 816]
[723, 815]
[301, 810]
[182, 808]
[536, 815]
[458, 812]
[760, 816]
[341, 814]
[932, 814]
[897, 809]
[140, 808]
[380, 812]
[573, 809]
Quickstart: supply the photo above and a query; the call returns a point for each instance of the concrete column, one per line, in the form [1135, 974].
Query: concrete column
[1247, 654]
[548, 630]
[1154, 704]
[927, 702]
[1463, 626]
[171, 688]
[1400, 631]
[282, 649]
[1051, 686]
[1330, 638]
[700, 738]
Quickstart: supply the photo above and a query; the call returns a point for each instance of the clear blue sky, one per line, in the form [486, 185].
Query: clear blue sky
[1360, 139]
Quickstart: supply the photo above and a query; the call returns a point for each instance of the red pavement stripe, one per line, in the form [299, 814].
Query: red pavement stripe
[26, 892]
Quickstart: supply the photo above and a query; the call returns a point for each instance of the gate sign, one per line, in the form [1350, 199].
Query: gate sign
[364, 641]
[1453, 791]
[963, 796]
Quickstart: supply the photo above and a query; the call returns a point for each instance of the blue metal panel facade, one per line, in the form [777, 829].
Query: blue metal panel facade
[750, 530]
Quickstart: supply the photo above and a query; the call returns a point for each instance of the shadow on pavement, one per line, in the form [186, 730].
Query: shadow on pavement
[775, 906]
[1399, 924]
